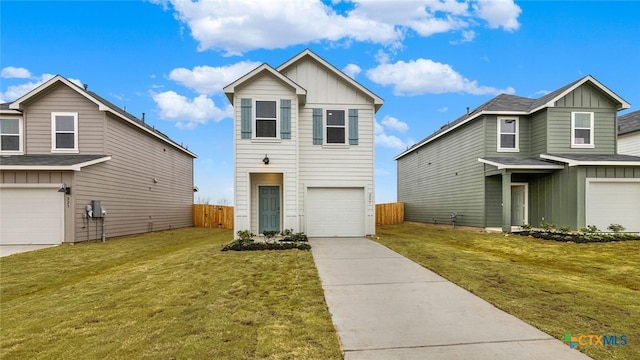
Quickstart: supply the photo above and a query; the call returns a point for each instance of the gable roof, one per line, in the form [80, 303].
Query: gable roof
[377, 101]
[230, 89]
[505, 104]
[629, 123]
[103, 105]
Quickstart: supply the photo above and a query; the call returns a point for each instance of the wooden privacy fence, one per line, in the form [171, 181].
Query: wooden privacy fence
[391, 213]
[213, 216]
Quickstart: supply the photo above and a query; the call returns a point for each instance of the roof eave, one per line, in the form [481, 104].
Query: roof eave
[74, 167]
[377, 101]
[501, 166]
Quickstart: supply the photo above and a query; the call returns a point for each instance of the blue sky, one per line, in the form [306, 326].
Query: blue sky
[428, 59]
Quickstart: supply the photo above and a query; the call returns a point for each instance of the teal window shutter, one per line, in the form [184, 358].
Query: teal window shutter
[245, 118]
[317, 126]
[285, 119]
[353, 126]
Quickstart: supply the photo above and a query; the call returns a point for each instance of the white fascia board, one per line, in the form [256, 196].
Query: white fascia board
[74, 167]
[572, 162]
[17, 105]
[377, 101]
[420, 144]
[551, 103]
[530, 167]
[229, 90]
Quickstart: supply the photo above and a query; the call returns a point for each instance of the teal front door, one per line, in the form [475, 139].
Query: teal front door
[518, 205]
[269, 208]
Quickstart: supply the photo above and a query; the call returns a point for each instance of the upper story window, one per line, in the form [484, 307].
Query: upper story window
[336, 127]
[582, 130]
[266, 119]
[508, 134]
[64, 132]
[11, 136]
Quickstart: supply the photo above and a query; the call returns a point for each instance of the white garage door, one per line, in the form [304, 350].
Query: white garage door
[31, 216]
[613, 202]
[335, 212]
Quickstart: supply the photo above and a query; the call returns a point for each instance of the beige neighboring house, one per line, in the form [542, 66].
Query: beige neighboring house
[629, 133]
[303, 149]
[65, 150]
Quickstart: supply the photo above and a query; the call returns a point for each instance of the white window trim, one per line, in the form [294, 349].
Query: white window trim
[53, 133]
[517, 140]
[325, 137]
[20, 150]
[591, 144]
[254, 118]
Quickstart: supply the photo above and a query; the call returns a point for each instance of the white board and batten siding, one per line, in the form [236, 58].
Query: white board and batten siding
[613, 201]
[334, 170]
[248, 155]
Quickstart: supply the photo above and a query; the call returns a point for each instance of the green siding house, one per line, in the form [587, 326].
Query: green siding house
[515, 161]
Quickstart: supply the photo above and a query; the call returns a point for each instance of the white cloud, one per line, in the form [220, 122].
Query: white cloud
[392, 123]
[237, 26]
[467, 36]
[11, 72]
[424, 76]
[443, 109]
[209, 80]
[352, 70]
[189, 113]
[499, 13]
[391, 141]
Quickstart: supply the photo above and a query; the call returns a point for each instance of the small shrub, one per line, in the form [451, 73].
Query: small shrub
[526, 226]
[547, 226]
[616, 228]
[269, 235]
[564, 229]
[245, 236]
[589, 229]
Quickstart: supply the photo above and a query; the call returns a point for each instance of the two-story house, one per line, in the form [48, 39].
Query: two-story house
[68, 157]
[515, 161]
[303, 149]
[629, 133]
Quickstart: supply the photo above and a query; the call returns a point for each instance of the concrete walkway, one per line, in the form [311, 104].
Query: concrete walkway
[385, 306]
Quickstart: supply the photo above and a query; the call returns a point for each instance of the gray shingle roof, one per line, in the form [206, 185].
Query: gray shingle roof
[629, 123]
[598, 157]
[47, 160]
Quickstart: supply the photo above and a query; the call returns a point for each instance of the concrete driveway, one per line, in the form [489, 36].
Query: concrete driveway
[6, 250]
[385, 306]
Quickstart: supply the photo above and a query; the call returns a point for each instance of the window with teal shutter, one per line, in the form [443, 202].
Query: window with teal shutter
[353, 126]
[285, 119]
[245, 118]
[317, 126]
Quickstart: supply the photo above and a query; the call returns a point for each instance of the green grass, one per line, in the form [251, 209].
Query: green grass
[165, 295]
[557, 287]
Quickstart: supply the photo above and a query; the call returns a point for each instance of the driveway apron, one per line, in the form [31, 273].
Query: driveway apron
[385, 306]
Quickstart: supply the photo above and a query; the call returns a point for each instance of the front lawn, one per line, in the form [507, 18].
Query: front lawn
[164, 295]
[557, 287]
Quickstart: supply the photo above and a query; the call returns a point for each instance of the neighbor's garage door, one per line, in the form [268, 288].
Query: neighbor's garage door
[31, 216]
[335, 212]
[613, 202]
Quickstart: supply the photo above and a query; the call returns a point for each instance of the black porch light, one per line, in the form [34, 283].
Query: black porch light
[266, 159]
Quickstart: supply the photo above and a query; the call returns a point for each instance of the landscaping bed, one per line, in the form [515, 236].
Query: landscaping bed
[579, 237]
[270, 240]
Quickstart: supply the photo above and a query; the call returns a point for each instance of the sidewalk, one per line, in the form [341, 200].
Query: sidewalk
[385, 306]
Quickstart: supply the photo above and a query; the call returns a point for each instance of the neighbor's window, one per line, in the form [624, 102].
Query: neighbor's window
[64, 132]
[508, 134]
[582, 129]
[11, 135]
[266, 119]
[336, 127]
